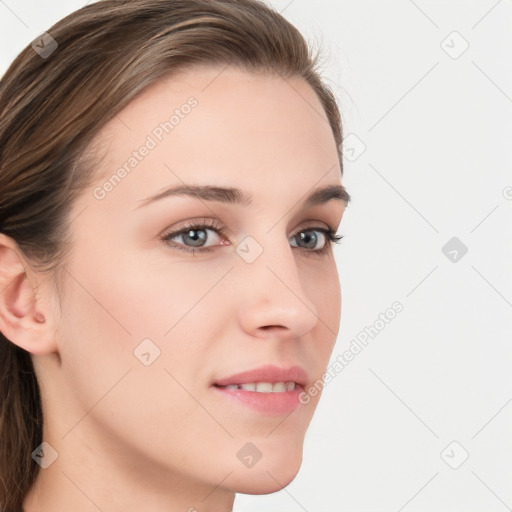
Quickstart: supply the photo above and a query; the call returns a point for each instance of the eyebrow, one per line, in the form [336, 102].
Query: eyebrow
[232, 195]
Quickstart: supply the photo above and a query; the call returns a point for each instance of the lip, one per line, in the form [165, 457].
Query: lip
[269, 373]
[270, 404]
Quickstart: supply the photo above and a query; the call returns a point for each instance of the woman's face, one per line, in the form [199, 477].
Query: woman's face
[149, 328]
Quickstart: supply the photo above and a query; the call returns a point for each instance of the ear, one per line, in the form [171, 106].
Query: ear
[24, 320]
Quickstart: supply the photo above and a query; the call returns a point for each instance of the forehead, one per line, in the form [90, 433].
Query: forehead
[222, 125]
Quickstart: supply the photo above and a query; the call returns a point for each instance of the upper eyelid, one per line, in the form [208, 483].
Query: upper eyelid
[200, 225]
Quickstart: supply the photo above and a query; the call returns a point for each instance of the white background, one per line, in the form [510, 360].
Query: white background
[437, 129]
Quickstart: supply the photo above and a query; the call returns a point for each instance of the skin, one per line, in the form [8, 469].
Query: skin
[158, 437]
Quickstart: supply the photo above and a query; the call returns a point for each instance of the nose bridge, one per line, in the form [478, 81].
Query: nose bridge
[273, 294]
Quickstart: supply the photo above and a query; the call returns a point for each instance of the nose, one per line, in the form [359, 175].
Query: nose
[271, 297]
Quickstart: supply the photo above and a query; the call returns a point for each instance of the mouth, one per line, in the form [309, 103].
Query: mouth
[263, 376]
[269, 390]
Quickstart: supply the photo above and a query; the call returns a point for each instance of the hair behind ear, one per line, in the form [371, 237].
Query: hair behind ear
[21, 420]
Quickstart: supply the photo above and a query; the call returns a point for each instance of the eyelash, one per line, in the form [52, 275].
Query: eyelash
[330, 234]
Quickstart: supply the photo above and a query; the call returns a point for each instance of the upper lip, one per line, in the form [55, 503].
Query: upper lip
[269, 373]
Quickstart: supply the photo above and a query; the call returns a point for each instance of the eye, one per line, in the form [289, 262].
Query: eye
[314, 243]
[194, 238]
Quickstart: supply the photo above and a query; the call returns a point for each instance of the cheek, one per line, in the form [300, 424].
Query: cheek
[106, 317]
[322, 285]
[142, 296]
[115, 313]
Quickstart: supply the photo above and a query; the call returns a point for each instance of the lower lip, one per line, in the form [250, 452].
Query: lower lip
[284, 402]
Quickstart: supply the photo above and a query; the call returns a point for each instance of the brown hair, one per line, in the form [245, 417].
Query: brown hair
[52, 106]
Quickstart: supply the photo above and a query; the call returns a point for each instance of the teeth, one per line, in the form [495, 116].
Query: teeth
[279, 387]
[264, 387]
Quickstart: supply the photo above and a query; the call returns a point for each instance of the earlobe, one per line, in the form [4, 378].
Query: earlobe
[23, 320]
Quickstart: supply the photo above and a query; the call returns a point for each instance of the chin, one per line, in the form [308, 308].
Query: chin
[269, 477]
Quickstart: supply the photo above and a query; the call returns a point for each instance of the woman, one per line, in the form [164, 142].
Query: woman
[170, 190]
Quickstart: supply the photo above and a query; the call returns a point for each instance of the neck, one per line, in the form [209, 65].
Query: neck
[92, 473]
